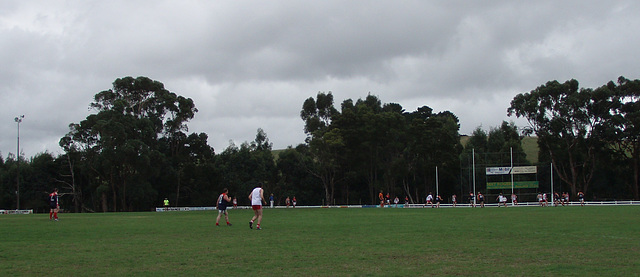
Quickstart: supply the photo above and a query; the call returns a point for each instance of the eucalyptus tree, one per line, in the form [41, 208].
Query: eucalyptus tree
[293, 165]
[620, 108]
[324, 140]
[119, 141]
[361, 126]
[433, 141]
[559, 114]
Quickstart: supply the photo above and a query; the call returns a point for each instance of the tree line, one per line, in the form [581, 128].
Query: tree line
[135, 150]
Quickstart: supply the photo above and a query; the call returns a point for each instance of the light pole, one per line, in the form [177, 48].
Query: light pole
[18, 119]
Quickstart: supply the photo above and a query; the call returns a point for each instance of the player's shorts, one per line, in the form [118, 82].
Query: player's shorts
[256, 207]
[222, 210]
[53, 205]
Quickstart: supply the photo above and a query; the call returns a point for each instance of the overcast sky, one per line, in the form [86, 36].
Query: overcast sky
[251, 64]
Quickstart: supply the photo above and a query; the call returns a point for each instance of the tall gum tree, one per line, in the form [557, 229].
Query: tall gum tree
[559, 114]
[121, 139]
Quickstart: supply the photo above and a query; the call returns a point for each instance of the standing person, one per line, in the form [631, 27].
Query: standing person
[388, 200]
[454, 200]
[235, 203]
[54, 205]
[257, 198]
[287, 201]
[166, 204]
[566, 198]
[556, 199]
[481, 199]
[406, 201]
[544, 199]
[271, 200]
[221, 205]
[381, 197]
[429, 200]
[472, 199]
[396, 201]
[581, 198]
[514, 199]
[294, 202]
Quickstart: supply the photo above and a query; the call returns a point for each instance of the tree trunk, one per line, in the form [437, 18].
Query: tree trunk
[634, 186]
[105, 206]
[178, 188]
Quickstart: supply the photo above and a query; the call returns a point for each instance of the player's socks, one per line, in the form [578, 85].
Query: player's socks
[50, 215]
[251, 224]
[217, 224]
[55, 215]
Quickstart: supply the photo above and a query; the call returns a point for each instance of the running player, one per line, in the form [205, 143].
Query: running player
[381, 199]
[454, 200]
[221, 205]
[438, 199]
[504, 200]
[481, 199]
[429, 200]
[581, 198]
[54, 205]
[257, 199]
[514, 199]
[540, 200]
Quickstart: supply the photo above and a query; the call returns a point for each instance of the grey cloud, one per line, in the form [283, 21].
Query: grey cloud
[251, 64]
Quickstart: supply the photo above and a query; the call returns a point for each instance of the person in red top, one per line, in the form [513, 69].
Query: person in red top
[54, 205]
[381, 199]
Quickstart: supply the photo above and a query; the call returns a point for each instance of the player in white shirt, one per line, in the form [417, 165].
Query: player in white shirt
[429, 200]
[257, 199]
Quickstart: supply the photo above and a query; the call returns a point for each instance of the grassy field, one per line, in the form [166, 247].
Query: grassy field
[523, 241]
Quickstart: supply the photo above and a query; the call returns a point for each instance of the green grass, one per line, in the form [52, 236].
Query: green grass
[524, 241]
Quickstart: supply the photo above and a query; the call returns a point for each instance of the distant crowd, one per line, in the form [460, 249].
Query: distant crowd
[479, 199]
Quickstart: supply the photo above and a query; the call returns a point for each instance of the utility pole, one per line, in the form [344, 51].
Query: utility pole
[18, 119]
